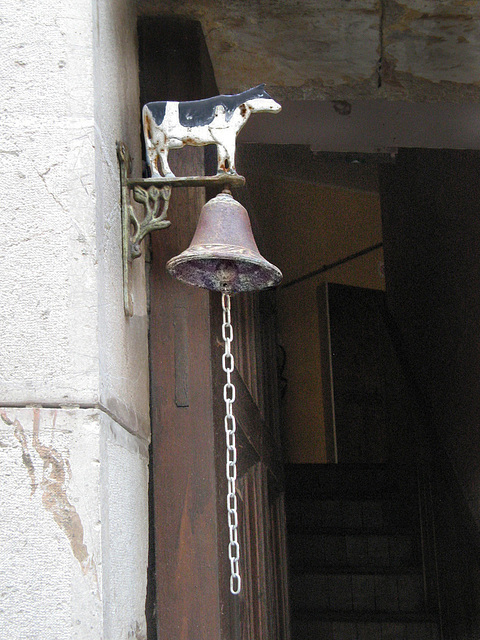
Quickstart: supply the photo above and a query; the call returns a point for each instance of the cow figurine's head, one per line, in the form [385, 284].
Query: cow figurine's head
[261, 101]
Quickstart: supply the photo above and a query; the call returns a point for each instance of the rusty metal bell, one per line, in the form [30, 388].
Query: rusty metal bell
[223, 255]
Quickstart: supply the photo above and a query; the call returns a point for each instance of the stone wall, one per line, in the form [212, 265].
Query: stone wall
[74, 417]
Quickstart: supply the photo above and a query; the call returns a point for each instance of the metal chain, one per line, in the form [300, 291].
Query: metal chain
[231, 467]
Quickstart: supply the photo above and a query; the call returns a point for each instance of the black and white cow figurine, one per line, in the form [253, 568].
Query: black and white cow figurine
[172, 125]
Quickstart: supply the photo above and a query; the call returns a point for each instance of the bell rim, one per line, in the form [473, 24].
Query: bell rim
[244, 256]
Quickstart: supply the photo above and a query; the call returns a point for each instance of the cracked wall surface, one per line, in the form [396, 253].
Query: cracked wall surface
[425, 50]
[74, 406]
[64, 336]
[48, 249]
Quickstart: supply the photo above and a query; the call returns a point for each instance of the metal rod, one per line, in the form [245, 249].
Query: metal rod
[332, 265]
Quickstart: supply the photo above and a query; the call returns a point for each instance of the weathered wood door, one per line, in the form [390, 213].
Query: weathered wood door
[193, 601]
[262, 610]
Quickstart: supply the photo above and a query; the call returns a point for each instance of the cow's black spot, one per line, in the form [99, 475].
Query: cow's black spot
[198, 113]
[157, 110]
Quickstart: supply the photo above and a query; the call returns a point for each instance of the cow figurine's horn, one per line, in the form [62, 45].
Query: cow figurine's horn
[223, 255]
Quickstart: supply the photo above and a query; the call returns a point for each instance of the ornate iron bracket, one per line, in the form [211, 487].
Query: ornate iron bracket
[154, 194]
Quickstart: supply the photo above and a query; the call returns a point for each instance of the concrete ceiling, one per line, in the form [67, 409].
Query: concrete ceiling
[368, 127]
[421, 50]
[358, 75]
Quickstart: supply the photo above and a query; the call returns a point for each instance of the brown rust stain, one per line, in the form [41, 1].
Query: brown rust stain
[19, 434]
[401, 17]
[56, 471]
[55, 498]
[453, 17]
[389, 73]
[148, 125]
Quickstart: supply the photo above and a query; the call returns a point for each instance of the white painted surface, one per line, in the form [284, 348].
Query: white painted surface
[50, 534]
[123, 346]
[124, 527]
[48, 251]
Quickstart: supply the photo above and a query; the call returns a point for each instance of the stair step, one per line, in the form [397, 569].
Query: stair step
[357, 570]
[367, 630]
[304, 615]
[353, 539]
[381, 551]
[347, 480]
[358, 592]
[309, 515]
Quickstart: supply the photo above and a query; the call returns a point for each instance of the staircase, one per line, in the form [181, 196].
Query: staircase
[355, 554]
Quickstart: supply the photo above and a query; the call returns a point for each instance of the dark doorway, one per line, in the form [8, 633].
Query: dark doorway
[359, 373]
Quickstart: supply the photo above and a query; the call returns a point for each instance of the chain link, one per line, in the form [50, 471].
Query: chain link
[231, 465]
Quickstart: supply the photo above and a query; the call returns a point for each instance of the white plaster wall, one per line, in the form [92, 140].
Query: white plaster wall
[48, 305]
[70, 87]
[123, 342]
[74, 427]
[74, 511]
[124, 525]
[51, 568]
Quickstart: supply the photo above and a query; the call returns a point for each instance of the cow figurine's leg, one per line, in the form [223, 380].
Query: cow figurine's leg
[152, 157]
[157, 150]
[221, 158]
[226, 156]
[225, 140]
[163, 155]
[230, 154]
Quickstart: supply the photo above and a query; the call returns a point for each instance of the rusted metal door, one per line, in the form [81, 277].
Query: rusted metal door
[188, 440]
